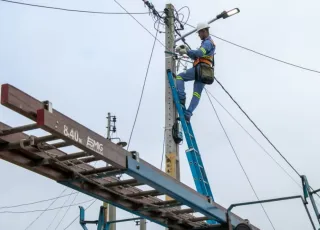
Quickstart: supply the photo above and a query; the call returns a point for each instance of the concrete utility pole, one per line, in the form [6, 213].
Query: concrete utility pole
[143, 224]
[172, 149]
[110, 211]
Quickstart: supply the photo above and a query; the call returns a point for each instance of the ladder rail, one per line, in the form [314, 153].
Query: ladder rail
[199, 160]
[194, 158]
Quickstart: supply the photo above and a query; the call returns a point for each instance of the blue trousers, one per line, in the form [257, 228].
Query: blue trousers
[189, 75]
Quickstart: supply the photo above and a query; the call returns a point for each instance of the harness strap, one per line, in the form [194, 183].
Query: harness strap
[205, 60]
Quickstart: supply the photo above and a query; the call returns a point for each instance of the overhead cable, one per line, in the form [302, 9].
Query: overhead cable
[43, 210]
[36, 202]
[143, 87]
[238, 159]
[261, 132]
[71, 204]
[68, 226]
[252, 122]
[69, 10]
[140, 23]
[264, 150]
[65, 202]
[261, 54]
[255, 140]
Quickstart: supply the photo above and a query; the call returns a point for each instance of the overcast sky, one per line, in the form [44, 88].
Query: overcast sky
[89, 65]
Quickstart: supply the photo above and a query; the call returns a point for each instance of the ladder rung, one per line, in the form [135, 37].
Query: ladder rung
[98, 170]
[184, 211]
[18, 129]
[145, 193]
[72, 156]
[132, 182]
[190, 150]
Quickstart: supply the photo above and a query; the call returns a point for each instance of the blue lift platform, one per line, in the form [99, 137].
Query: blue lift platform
[42, 156]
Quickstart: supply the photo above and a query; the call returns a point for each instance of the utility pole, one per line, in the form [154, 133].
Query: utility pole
[172, 149]
[143, 224]
[110, 211]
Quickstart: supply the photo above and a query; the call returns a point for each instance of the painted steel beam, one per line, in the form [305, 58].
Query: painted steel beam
[62, 127]
[20, 158]
[157, 179]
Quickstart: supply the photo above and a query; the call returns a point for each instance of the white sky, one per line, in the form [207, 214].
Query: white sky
[88, 65]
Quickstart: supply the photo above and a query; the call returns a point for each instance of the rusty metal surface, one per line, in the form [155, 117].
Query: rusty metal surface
[74, 171]
[28, 106]
[22, 157]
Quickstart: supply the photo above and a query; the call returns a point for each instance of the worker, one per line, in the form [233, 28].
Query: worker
[202, 71]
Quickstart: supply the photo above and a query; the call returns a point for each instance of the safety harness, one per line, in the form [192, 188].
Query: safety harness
[206, 59]
[206, 70]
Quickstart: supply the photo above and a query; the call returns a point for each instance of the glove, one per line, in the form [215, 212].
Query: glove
[182, 49]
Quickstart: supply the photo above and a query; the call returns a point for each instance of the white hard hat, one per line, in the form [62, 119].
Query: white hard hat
[202, 26]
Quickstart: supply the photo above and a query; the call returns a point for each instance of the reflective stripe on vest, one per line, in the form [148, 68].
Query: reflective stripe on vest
[205, 59]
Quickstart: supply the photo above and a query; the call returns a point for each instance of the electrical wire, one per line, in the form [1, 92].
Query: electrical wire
[252, 122]
[185, 7]
[185, 23]
[78, 215]
[238, 159]
[143, 87]
[67, 210]
[36, 202]
[69, 10]
[42, 210]
[65, 202]
[261, 54]
[140, 23]
[264, 150]
[261, 132]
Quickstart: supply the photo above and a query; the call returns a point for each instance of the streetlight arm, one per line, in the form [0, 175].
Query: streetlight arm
[224, 15]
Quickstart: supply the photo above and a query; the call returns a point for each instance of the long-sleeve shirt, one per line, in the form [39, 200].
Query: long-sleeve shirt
[206, 50]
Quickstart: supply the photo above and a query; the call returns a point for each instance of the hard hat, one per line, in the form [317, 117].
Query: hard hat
[202, 26]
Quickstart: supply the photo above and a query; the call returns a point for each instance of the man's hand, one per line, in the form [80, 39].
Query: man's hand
[182, 49]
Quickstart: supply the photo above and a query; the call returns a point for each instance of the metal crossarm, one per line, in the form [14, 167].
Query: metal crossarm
[193, 153]
[37, 154]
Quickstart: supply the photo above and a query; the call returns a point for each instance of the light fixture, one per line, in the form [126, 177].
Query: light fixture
[122, 144]
[226, 14]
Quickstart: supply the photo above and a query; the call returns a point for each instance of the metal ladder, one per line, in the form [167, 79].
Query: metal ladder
[193, 154]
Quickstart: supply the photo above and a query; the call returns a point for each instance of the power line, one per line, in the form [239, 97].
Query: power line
[69, 10]
[36, 202]
[65, 202]
[42, 210]
[67, 210]
[140, 23]
[252, 122]
[253, 138]
[238, 159]
[78, 215]
[143, 87]
[261, 54]
[298, 184]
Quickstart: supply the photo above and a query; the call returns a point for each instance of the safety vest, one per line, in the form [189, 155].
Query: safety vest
[208, 59]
